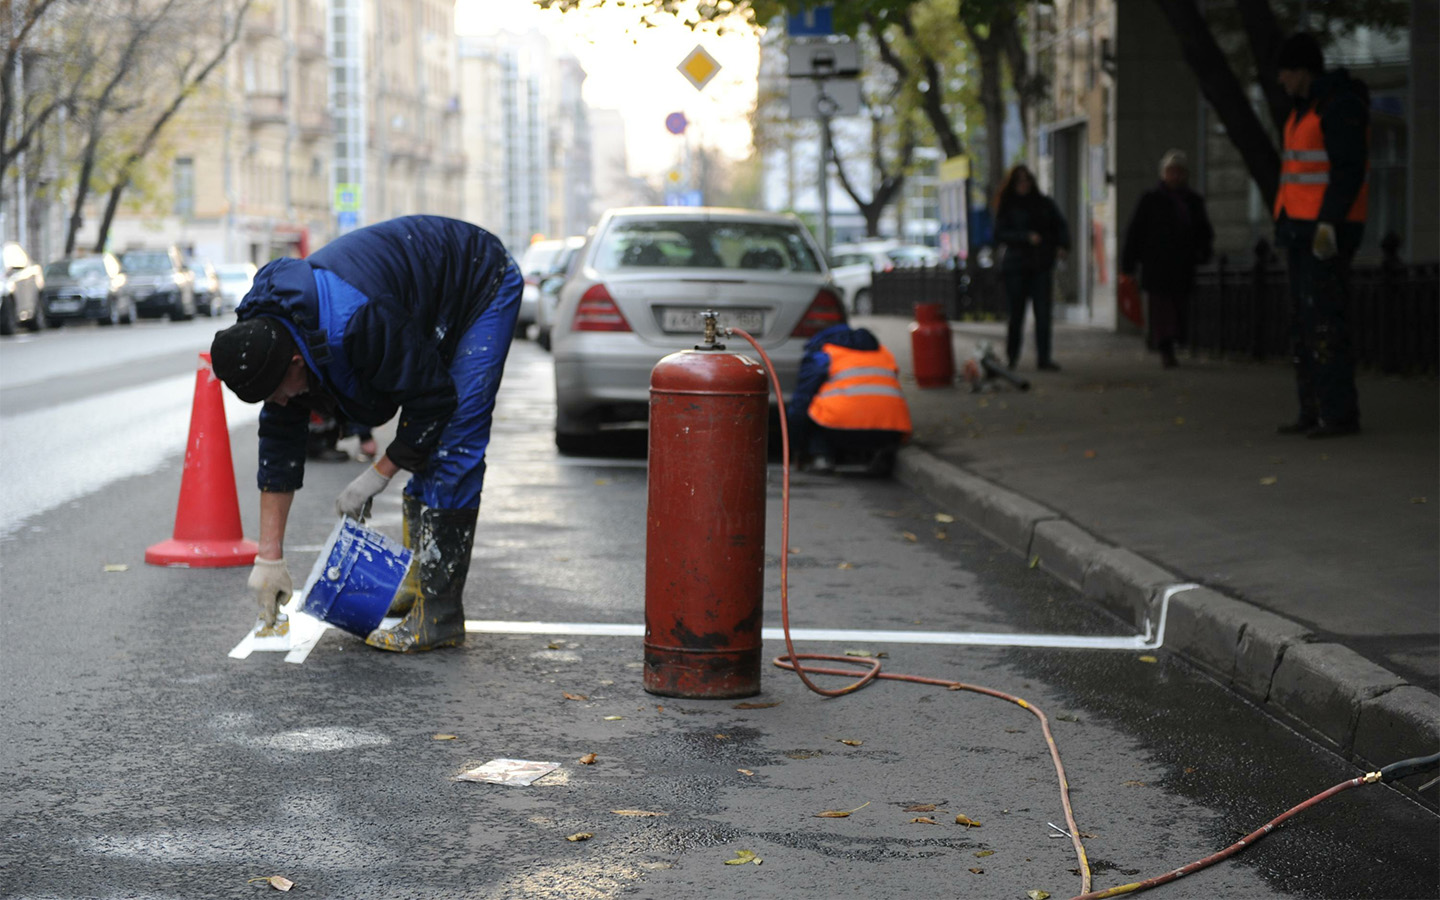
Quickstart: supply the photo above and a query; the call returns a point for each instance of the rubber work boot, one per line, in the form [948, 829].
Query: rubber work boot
[442, 556]
[404, 598]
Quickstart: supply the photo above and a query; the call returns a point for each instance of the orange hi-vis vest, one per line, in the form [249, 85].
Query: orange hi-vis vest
[861, 393]
[1305, 172]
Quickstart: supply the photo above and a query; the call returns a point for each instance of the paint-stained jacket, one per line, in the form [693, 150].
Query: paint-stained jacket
[377, 314]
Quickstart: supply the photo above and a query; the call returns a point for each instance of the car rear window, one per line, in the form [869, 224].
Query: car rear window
[751, 246]
[75, 268]
[146, 263]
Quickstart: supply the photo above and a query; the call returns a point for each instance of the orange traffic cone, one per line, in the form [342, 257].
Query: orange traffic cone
[207, 523]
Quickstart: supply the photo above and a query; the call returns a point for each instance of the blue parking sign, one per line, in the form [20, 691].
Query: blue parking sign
[816, 22]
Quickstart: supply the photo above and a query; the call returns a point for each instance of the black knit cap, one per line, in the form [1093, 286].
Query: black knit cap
[1301, 51]
[251, 357]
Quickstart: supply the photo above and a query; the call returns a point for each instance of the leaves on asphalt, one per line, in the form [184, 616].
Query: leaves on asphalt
[601, 482]
[116, 567]
[613, 718]
[921, 807]
[588, 759]
[845, 565]
[742, 857]
[1149, 659]
[1035, 561]
[641, 813]
[981, 854]
[944, 517]
[868, 654]
[966, 821]
[553, 645]
[745, 771]
[975, 871]
[1089, 454]
[1038, 895]
[1269, 480]
[1134, 783]
[850, 743]
[570, 696]
[442, 737]
[580, 836]
[839, 813]
[923, 820]
[910, 536]
[278, 882]
[752, 705]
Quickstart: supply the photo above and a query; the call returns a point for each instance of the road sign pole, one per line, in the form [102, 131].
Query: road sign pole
[825, 183]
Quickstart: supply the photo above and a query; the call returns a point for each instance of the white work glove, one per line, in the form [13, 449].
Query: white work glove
[270, 580]
[1324, 246]
[354, 501]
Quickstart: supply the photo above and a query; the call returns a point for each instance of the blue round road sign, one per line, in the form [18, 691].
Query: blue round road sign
[675, 123]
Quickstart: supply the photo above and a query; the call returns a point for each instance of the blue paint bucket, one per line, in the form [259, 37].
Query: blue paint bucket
[355, 578]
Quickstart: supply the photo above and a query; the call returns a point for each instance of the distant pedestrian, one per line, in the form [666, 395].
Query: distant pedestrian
[1034, 235]
[1169, 235]
[848, 402]
[1319, 218]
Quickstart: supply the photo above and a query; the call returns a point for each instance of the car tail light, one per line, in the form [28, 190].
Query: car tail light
[597, 312]
[825, 310]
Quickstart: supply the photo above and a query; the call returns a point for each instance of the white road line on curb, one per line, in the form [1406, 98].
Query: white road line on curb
[306, 631]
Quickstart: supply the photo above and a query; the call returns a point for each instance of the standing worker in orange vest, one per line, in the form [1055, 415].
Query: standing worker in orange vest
[848, 402]
[1319, 217]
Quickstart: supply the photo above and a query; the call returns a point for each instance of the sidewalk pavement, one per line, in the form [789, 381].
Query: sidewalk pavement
[1319, 560]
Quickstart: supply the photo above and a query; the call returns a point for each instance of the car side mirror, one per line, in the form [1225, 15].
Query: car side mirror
[552, 283]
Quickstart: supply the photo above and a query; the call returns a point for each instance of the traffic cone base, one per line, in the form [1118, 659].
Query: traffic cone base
[207, 523]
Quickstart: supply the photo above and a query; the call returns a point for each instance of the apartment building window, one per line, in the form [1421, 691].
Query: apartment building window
[184, 181]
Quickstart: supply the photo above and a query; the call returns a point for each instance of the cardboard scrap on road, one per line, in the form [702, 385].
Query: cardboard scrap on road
[521, 772]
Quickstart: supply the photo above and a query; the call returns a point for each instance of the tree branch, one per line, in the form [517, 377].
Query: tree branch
[1263, 31]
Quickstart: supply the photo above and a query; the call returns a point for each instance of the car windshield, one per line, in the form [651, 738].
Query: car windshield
[700, 244]
[76, 268]
[538, 257]
[146, 263]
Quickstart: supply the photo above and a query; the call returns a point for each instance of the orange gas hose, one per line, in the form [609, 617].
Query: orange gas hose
[791, 659]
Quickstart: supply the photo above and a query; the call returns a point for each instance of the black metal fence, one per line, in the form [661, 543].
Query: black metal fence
[1235, 311]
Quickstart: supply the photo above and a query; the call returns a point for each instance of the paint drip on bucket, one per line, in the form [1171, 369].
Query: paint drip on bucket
[355, 577]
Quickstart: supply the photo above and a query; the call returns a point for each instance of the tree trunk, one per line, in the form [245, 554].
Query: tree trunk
[987, 48]
[1025, 84]
[1263, 30]
[82, 185]
[1225, 94]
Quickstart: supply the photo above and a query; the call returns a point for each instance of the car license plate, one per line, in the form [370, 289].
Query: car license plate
[65, 305]
[689, 321]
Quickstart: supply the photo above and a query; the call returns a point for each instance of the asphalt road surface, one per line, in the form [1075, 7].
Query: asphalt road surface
[139, 760]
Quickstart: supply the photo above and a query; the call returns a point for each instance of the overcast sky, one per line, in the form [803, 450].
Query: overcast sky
[633, 69]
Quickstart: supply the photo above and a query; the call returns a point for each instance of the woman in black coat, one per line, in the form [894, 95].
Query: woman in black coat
[1168, 236]
[1033, 233]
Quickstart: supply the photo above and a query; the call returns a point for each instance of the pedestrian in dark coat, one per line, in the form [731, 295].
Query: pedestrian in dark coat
[1169, 235]
[415, 316]
[1033, 233]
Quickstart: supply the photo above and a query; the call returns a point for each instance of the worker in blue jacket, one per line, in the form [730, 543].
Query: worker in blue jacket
[415, 316]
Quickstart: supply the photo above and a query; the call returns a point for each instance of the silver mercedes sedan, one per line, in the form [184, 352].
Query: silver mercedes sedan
[638, 293]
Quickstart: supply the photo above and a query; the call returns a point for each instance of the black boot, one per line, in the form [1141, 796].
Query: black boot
[400, 604]
[442, 558]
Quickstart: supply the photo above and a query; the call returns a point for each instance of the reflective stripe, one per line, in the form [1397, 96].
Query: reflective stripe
[1306, 155]
[868, 372]
[1305, 178]
[883, 390]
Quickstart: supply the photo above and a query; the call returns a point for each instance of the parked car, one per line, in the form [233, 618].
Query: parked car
[535, 262]
[86, 287]
[854, 266]
[235, 281]
[20, 300]
[549, 289]
[159, 284]
[207, 287]
[638, 290]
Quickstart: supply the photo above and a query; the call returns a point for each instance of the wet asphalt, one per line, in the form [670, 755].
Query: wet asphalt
[140, 761]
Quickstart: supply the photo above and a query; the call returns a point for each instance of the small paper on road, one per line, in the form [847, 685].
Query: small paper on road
[521, 772]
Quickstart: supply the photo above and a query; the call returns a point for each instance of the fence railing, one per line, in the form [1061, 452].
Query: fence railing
[1235, 311]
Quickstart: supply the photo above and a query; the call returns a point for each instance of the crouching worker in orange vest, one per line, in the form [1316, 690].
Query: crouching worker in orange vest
[847, 405]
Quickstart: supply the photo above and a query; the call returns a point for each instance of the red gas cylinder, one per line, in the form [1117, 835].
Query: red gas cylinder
[931, 355]
[705, 529]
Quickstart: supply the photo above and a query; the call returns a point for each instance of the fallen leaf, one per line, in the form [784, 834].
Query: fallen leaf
[588, 759]
[442, 737]
[722, 737]
[921, 807]
[580, 836]
[1179, 420]
[1038, 895]
[794, 551]
[756, 705]
[601, 482]
[923, 820]
[1412, 500]
[637, 812]
[742, 857]
[839, 813]
[845, 565]
[1014, 731]
[977, 871]
[861, 653]
[552, 646]
[570, 696]
[613, 718]
[1089, 454]
[944, 517]
[1148, 659]
[984, 853]
[1133, 783]
[1269, 480]
[909, 536]
[121, 567]
[851, 743]
[1189, 770]
[745, 771]
[1035, 561]
[278, 882]
[966, 821]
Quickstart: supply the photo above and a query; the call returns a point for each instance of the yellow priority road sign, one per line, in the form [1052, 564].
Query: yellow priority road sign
[699, 67]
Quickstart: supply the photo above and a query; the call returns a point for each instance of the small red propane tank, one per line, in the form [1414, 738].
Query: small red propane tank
[932, 357]
[705, 528]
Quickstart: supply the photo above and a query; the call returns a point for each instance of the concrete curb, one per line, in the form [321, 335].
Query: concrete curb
[1362, 711]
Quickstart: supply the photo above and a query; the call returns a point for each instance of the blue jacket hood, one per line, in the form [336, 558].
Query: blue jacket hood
[843, 335]
[284, 288]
